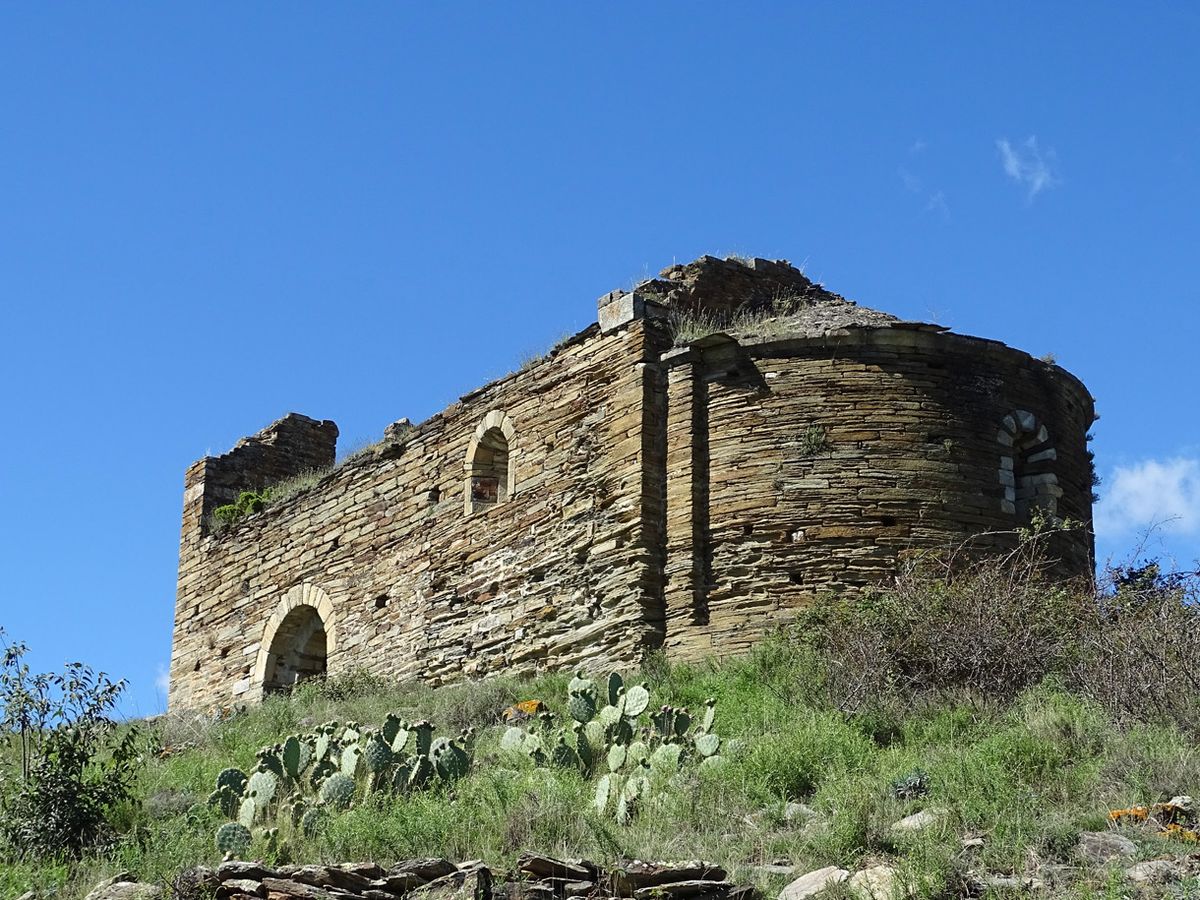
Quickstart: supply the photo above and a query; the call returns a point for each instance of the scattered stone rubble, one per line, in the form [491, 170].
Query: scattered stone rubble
[535, 877]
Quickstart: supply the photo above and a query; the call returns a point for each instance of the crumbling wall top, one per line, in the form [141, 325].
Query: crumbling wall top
[734, 291]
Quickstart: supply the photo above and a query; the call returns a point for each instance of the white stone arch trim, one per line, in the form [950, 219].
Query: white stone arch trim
[306, 594]
[498, 419]
[1020, 431]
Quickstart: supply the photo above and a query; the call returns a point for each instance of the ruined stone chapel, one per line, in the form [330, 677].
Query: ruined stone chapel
[729, 442]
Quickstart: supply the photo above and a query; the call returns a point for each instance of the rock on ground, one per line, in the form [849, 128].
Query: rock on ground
[1155, 871]
[919, 821]
[122, 887]
[1099, 847]
[812, 883]
[877, 883]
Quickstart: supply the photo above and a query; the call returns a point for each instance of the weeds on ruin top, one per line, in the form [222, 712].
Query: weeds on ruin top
[766, 321]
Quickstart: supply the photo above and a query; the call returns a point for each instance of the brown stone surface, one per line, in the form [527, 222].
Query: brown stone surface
[621, 494]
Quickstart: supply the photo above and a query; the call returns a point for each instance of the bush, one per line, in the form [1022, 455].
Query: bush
[1141, 647]
[991, 626]
[994, 626]
[70, 765]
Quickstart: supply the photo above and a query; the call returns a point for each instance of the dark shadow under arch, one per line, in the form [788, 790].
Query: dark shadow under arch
[299, 650]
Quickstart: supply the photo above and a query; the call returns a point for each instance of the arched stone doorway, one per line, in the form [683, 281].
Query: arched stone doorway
[297, 641]
[298, 650]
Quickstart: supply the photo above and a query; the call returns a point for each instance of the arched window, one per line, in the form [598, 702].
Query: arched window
[490, 471]
[1027, 460]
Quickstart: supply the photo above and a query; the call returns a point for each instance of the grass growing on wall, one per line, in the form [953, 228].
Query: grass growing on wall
[770, 320]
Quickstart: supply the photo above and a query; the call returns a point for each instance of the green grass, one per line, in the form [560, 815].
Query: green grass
[1027, 777]
[766, 322]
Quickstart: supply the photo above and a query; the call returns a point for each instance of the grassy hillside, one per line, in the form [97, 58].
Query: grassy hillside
[1027, 777]
[1017, 712]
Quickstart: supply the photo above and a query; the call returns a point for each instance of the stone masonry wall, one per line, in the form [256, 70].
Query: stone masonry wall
[805, 466]
[623, 494]
[409, 583]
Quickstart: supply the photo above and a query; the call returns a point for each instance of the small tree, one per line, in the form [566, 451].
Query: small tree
[67, 763]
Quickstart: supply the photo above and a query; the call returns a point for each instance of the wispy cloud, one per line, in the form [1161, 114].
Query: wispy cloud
[935, 198]
[1028, 165]
[911, 182]
[1152, 493]
[937, 204]
[162, 680]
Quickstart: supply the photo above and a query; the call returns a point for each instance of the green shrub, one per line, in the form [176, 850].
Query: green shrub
[69, 765]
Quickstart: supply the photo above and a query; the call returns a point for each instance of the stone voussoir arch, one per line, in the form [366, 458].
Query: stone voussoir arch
[305, 594]
[1027, 459]
[495, 420]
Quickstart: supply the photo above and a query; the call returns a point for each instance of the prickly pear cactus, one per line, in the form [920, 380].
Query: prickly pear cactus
[582, 706]
[350, 759]
[224, 799]
[666, 759]
[581, 684]
[261, 787]
[422, 769]
[291, 757]
[392, 726]
[377, 755]
[706, 744]
[234, 779]
[312, 821]
[637, 698]
[616, 687]
[248, 810]
[233, 838]
[338, 791]
[635, 756]
[424, 733]
[450, 760]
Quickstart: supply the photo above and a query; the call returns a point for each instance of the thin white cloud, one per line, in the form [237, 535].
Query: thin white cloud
[935, 199]
[1152, 493]
[916, 147]
[1028, 165]
[162, 680]
[937, 205]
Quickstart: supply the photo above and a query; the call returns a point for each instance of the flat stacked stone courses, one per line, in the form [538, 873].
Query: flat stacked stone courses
[559, 574]
[660, 495]
[910, 418]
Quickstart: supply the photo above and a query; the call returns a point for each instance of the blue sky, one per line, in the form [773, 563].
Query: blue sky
[213, 214]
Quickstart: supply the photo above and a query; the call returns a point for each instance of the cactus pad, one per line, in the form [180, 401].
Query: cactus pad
[261, 787]
[377, 755]
[450, 760]
[582, 706]
[233, 838]
[234, 779]
[637, 698]
[616, 757]
[707, 744]
[312, 820]
[616, 685]
[338, 790]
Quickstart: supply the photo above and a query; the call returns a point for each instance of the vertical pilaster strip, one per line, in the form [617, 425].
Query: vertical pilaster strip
[687, 489]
